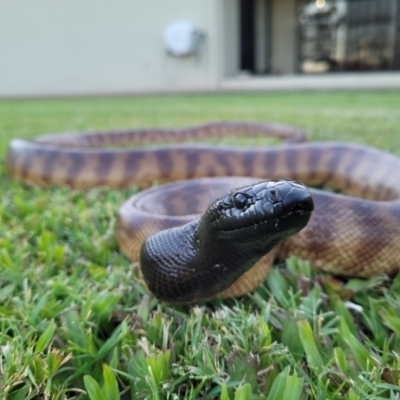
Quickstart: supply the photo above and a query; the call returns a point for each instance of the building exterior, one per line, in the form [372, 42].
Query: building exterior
[79, 47]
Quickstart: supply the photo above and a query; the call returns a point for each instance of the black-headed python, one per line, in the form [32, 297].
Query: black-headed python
[234, 226]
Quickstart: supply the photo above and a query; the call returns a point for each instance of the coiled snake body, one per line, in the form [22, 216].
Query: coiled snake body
[357, 234]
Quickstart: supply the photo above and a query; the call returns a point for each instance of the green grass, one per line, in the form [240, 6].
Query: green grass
[76, 323]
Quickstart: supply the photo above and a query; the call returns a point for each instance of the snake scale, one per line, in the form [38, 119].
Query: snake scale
[352, 234]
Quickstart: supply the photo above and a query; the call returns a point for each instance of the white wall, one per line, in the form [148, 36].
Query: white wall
[64, 47]
[283, 37]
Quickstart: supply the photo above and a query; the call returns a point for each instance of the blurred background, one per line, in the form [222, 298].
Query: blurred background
[89, 47]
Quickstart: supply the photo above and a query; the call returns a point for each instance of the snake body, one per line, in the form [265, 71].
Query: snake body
[356, 234]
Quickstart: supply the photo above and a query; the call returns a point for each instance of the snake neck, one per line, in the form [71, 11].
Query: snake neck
[218, 260]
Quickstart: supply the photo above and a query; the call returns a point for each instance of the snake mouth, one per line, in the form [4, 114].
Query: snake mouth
[276, 205]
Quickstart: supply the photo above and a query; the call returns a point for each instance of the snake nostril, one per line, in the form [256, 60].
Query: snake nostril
[305, 204]
[297, 207]
[300, 198]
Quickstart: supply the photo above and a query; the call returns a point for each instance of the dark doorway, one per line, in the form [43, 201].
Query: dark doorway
[247, 35]
[349, 35]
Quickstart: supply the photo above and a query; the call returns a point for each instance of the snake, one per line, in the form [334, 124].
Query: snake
[221, 215]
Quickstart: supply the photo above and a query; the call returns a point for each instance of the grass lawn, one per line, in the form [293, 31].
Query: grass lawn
[76, 323]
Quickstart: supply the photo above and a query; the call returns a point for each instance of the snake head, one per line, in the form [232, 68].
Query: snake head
[203, 258]
[279, 207]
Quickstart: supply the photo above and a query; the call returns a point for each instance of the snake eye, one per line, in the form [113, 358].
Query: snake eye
[239, 200]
